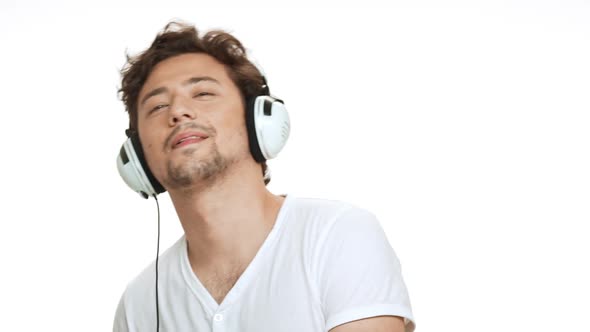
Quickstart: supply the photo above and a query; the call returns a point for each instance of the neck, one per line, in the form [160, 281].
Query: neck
[226, 224]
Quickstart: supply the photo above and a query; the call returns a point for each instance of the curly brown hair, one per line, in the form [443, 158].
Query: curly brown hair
[178, 38]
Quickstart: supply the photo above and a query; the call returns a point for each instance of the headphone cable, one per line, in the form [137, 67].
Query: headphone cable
[157, 256]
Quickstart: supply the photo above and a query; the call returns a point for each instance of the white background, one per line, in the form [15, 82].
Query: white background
[463, 127]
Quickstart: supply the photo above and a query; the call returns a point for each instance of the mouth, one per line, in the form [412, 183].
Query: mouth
[188, 139]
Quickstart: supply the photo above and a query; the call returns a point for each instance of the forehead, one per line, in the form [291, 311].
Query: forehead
[178, 68]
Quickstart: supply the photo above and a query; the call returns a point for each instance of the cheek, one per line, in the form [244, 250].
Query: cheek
[231, 127]
[148, 151]
[149, 146]
[238, 132]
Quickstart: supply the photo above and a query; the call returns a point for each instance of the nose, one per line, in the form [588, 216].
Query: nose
[179, 111]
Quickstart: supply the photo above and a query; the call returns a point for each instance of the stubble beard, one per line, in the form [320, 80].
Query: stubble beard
[205, 172]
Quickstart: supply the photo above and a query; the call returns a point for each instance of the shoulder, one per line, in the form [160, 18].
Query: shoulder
[332, 215]
[326, 210]
[355, 271]
[324, 224]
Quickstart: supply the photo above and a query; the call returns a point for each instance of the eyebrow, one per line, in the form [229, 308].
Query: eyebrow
[190, 81]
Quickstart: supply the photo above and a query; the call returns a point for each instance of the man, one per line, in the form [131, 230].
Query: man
[249, 260]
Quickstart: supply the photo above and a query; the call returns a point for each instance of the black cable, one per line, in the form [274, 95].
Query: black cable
[157, 256]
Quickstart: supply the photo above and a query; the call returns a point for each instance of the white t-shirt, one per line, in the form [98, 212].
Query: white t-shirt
[323, 264]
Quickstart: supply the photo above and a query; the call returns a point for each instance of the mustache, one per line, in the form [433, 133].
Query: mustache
[209, 131]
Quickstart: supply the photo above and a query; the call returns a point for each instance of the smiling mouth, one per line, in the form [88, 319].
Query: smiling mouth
[189, 140]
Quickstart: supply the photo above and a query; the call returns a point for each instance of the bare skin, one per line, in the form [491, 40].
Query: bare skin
[216, 187]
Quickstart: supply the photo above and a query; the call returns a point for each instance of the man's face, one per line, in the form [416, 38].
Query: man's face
[191, 121]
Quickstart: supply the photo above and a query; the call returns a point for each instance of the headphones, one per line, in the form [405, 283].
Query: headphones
[268, 126]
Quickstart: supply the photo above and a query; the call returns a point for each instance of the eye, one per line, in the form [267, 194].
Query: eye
[157, 108]
[202, 94]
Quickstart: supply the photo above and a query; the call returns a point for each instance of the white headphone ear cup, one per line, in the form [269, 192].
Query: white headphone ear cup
[272, 125]
[132, 172]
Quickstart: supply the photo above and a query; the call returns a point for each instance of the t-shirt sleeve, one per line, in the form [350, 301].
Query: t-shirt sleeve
[358, 273]
[120, 322]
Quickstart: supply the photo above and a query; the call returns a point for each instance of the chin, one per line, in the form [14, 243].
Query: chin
[189, 173]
